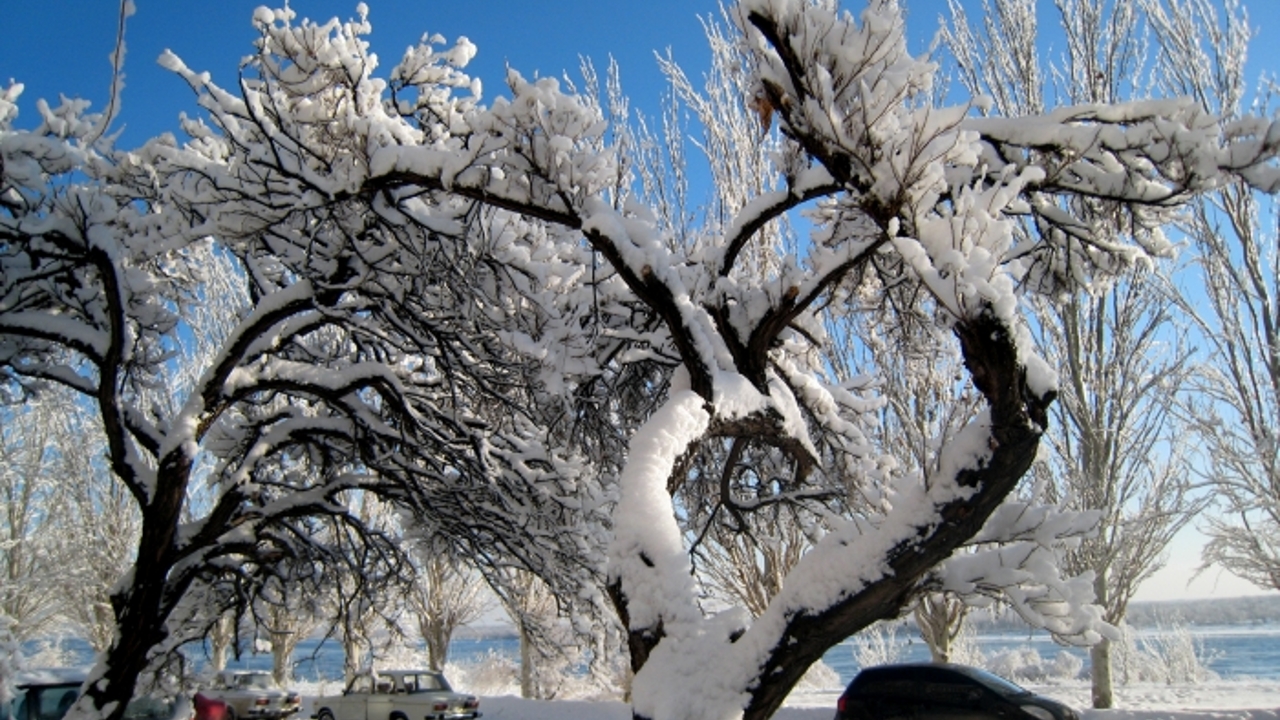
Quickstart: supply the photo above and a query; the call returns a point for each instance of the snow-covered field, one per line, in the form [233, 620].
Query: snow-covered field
[1215, 700]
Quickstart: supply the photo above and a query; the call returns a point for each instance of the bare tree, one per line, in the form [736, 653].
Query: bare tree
[446, 596]
[1117, 446]
[534, 610]
[941, 621]
[1234, 408]
[29, 583]
[288, 621]
[99, 536]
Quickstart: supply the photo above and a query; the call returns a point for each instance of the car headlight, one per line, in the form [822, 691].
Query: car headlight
[1037, 712]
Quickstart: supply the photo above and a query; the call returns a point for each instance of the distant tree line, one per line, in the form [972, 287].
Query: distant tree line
[1247, 610]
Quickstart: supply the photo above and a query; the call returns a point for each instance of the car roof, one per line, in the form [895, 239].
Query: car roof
[875, 672]
[915, 665]
[984, 677]
[50, 676]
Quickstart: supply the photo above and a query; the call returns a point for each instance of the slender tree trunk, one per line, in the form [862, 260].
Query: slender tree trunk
[437, 645]
[1100, 655]
[353, 658]
[527, 689]
[1100, 659]
[282, 646]
[220, 641]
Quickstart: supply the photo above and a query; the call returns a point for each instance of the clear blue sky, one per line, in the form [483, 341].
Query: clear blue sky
[62, 46]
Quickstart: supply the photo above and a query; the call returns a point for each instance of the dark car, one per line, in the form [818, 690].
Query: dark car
[49, 694]
[942, 691]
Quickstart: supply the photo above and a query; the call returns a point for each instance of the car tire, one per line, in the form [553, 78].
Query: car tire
[324, 714]
[398, 716]
[231, 713]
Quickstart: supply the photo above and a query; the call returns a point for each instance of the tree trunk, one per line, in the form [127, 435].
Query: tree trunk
[282, 646]
[527, 689]
[353, 657]
[437, 644]
[1100, 660]
[1018, 418]
[143, 606]
[1100, 654]
[141, 629]
[220, 641]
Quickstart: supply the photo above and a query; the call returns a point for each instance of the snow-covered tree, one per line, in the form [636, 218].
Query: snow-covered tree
[30, 570]
[925, 405]
[439, 289]
[312, 390]
[446, 596]
[99, 536]
[286, 618]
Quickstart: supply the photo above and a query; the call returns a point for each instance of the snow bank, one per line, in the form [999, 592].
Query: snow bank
[1245, 699]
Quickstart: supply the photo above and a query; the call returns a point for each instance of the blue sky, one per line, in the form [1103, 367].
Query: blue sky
[51, 53]
[62, 46]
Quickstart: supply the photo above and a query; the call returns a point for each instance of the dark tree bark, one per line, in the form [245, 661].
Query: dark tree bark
[1018, 421]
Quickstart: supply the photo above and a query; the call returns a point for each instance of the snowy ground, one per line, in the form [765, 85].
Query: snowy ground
[1215, 700]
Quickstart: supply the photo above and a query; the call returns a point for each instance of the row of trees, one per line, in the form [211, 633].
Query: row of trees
[512, 324]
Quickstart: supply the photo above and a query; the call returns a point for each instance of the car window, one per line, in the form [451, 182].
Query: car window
[953, 691]
[889, 687]
[53, 703]
[433, 682]
[994, 682]
[361, 684]
[256, 681]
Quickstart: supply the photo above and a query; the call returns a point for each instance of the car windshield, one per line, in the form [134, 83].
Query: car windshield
[425, 682]
[995, 682]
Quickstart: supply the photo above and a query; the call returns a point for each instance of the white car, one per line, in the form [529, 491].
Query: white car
[253, 694]
[398, 695]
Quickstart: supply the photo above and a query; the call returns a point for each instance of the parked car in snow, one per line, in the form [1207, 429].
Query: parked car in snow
[938, 691]
[252, 694]
[398, 695]
[49, 694]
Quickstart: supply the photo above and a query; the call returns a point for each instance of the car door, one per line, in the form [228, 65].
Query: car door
[380, 700]
[892, 695]
[352, 704]
[951, 696]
